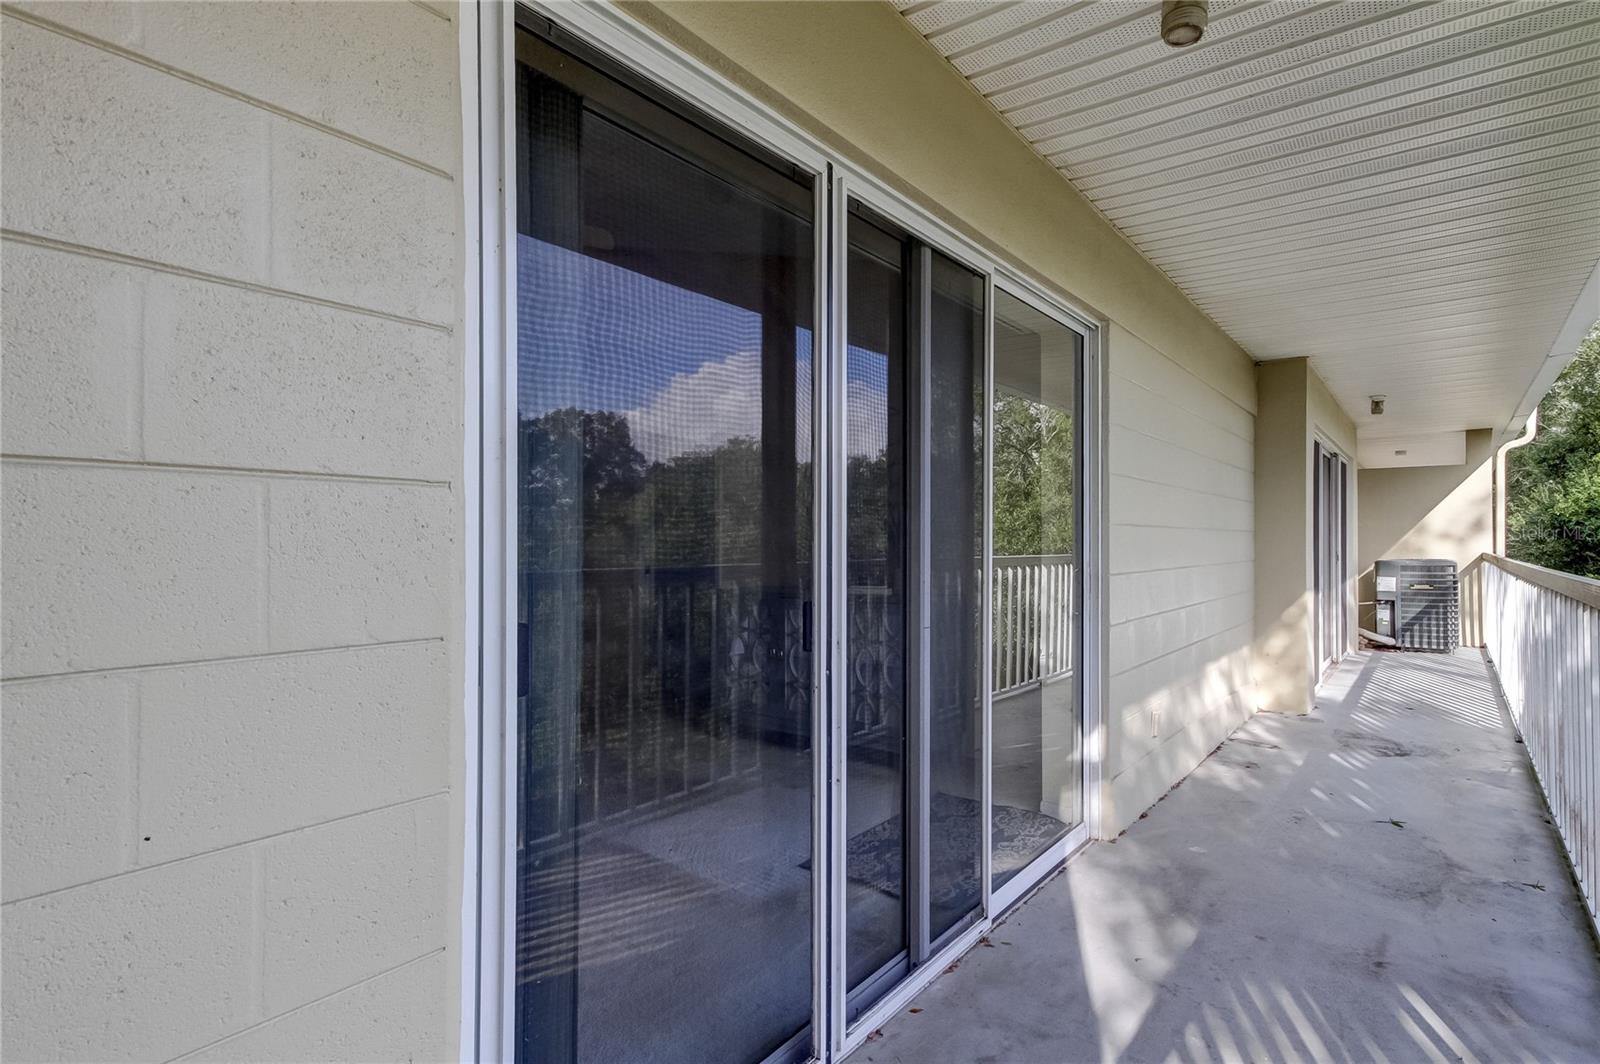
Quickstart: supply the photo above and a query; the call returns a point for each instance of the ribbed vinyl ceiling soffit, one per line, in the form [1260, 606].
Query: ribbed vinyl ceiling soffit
[1405, 192]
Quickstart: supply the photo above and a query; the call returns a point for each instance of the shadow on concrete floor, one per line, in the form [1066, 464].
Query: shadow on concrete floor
[1374, 881]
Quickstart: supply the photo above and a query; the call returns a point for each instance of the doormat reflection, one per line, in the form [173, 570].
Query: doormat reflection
[875, 857]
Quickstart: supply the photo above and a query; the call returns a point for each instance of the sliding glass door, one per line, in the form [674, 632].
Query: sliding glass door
[756, 797]
[1036, 714]
[914, 429]
[1329, 524]
[664, 575]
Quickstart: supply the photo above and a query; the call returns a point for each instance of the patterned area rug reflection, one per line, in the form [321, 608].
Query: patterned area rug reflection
[875, 860]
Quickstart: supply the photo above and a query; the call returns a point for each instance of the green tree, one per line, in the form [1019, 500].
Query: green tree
[1032, 478]
[1553, 483]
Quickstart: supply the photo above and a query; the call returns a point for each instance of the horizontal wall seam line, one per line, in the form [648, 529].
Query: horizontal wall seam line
[1185, 448]
[1183, 487]
[1188, 646]
[1186, 487]
[1181, 608]
[223, 90]
[1211, 565]
[1113, 367]
[269, 655]
[258, 841]
[1135, 426]
[1181, 527]
[120, 258]
[225, 471]
[187, 1053]
[435, 12]
[1174, 568]
[1191, 411]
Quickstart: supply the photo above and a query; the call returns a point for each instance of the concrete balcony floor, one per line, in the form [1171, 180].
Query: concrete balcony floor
[1375, 881]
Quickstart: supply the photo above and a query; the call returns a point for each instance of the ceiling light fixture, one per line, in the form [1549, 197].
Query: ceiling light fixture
[1183, 21]
[1377, 403]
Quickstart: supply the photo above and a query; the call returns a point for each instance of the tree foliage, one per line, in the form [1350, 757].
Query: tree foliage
[1032, 478]
[1553, 483]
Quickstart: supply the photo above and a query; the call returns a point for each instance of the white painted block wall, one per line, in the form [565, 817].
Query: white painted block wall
[1181, 568]
[232, 512]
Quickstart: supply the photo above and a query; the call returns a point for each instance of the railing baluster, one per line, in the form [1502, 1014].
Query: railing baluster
[1541, 631]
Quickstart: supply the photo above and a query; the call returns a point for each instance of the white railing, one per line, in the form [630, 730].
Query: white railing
[1541, 629]
[1032, 620]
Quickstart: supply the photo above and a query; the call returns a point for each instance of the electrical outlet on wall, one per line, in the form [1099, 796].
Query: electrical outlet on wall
[1155, 723]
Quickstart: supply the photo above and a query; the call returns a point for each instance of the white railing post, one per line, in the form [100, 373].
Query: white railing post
[1541, 632]
[1032, 630]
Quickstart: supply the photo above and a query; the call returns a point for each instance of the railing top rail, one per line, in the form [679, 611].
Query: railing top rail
[1002, 560]
[1579, 588]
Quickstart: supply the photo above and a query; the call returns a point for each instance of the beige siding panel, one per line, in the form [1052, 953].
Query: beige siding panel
[107, 360]
[1136, 548]
[1181, 558]
[1141, 502]
[1135, 595]
[394, 1016]
[222, 186]
[1136, 362]
[67, 809]
[111, 154]
[356, 562]
[1155, 415]
[242, 378]
[69, 379]
[232, 415]
[348, 899]
[1138, 454]
[361, 228]
[1149, 638]
[1206, 713]
[140, 967]
[240, 750]
[108, 567]
[116, 22]
[367, 69]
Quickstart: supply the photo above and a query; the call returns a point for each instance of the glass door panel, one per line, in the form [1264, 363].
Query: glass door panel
[954, 508]
[664, 570]
[875, 608]
[913, 774]
[1037, 723]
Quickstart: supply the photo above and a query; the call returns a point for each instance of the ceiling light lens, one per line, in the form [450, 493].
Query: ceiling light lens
[1183, 21]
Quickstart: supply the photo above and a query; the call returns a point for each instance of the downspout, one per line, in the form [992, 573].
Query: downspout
[1528, 432]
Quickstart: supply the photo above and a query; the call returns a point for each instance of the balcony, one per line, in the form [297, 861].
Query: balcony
[1380, 879]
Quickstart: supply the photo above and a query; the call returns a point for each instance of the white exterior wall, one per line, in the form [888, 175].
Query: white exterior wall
[1181, 541]
[232, 516]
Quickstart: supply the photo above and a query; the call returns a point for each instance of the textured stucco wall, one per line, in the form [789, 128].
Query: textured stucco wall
[1294, 409]
[232, 513]
[1431, 512]
[1181, 393]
